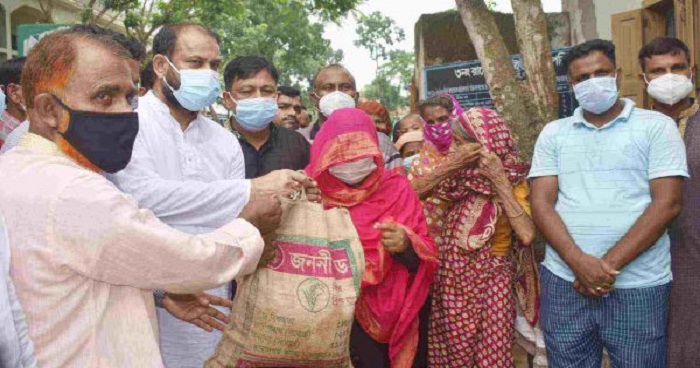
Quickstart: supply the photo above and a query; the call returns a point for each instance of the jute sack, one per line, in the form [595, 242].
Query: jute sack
[297, 310]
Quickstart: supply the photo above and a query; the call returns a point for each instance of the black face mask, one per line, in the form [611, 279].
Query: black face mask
[105, 139]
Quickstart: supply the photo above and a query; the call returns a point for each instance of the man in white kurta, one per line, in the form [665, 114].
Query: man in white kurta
[16, 349]
[189, 171]
[85, 258]
[193, 181]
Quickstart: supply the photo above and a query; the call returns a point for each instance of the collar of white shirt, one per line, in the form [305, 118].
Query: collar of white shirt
[159, 112]
[41, 144]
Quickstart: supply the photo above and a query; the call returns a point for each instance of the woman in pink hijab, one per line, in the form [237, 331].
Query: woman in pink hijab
[438, 112]
[349, 169]
[433, 162]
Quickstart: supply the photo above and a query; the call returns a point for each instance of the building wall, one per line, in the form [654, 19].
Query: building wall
[17, 12]
[591, 19]
[582, 18]
[605, 8]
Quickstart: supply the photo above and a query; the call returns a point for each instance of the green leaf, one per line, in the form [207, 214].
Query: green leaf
[378, 33]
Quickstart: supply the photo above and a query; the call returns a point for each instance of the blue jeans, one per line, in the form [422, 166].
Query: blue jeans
[629, 323]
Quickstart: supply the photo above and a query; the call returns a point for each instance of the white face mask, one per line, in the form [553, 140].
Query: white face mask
[334, 101]
[597, 95]
[2, 100]
[354, 172]
[669, 88]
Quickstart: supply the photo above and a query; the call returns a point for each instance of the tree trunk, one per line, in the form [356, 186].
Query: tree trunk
[504, 87]
[526, 106]
[536, 52]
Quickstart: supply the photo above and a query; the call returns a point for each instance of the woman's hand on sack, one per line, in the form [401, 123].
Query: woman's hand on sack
[263, 213]
[465, 155]
[393, 237]
[490, 166]
[198, 309]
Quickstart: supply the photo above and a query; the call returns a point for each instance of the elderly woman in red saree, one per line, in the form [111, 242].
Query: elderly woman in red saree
[400, 256]
[379, 114]
[481, 205]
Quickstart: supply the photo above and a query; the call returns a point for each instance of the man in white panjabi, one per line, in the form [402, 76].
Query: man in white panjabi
[16, 349]
[190, 171]
[85, 258]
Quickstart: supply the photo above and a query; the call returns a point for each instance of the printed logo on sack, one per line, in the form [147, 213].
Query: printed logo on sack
[313, 295]
[310, 260]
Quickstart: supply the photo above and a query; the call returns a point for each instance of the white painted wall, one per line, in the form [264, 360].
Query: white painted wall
[605, 8]
[64, 12]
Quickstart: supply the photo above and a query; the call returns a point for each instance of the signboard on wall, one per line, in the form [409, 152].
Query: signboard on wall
[28, 35]
[466, 81]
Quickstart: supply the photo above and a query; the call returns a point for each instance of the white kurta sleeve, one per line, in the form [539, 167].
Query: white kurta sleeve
[191, 203]
[100, 232]
[16, 348]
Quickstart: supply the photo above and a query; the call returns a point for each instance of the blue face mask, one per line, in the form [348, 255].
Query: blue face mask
[199, 88]
[408, 161]
[597, 95]
[255, 114]
[2, 101]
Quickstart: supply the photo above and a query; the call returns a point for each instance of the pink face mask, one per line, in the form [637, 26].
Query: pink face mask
[439, 134]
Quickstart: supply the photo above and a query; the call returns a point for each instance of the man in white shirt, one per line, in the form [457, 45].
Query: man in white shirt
[85, 258]
[188, 169]
[305, 124]
[14, 137]
[16, 349]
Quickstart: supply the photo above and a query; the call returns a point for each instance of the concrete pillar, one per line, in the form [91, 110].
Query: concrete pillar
[582, 18]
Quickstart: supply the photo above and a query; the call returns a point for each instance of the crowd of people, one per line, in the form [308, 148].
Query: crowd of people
[127, 214]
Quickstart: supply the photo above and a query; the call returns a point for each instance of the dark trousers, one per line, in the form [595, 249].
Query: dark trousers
[367, 353]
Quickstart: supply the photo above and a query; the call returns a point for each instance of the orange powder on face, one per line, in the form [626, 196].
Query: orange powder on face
[49, 67]
[71, 151]
[55, 83]
[50, 70]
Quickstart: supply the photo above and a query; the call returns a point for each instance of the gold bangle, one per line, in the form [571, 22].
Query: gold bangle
[522, 212]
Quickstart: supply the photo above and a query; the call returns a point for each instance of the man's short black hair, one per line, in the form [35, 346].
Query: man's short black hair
[11, 71]
[663, 46]
[442, 101]
[131, 44]
[582, 50]
[244, 67]
[148, 76]
[166, 39]
[289, 91]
